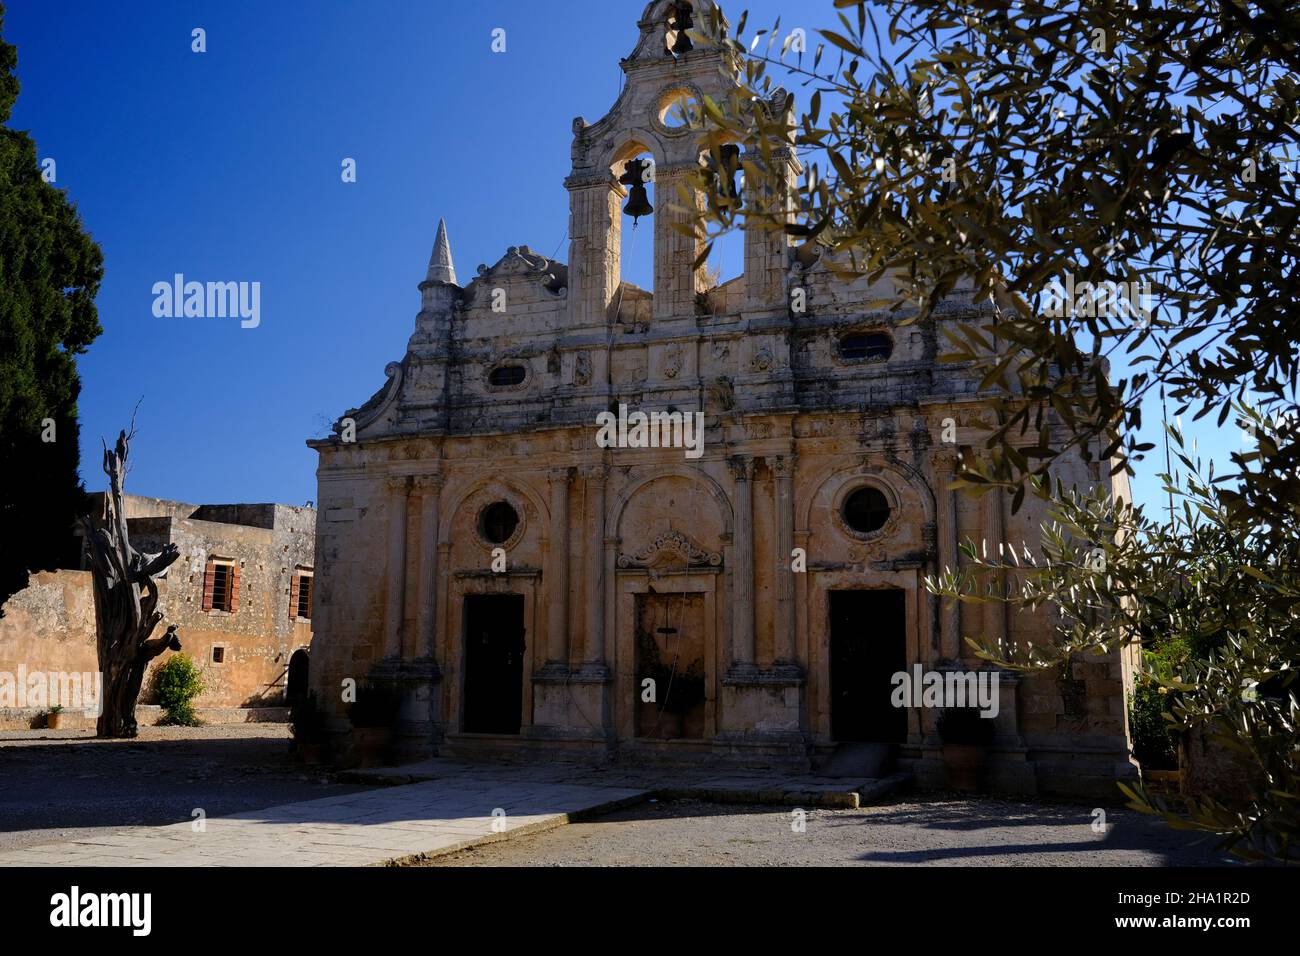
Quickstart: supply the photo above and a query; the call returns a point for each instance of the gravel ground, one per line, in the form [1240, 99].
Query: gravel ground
[59, 786]
[64, 785]
[931, 830]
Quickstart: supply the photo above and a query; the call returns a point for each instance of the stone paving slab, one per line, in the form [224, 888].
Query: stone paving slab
[357, 829]
[681, 783]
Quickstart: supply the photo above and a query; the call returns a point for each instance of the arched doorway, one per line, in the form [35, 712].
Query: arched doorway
[296, 685]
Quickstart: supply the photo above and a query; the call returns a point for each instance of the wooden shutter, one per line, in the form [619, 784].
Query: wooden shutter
[234, 588]
[311, 593]
[209, 584]
[293, 596]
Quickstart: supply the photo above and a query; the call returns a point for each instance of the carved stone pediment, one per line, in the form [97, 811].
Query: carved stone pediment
[671, 547]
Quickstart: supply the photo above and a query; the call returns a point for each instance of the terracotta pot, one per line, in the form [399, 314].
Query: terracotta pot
[56, 721]
[964, 762]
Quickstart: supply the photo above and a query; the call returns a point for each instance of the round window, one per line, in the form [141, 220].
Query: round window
[866, 510]
[680, 110]
[498, 522]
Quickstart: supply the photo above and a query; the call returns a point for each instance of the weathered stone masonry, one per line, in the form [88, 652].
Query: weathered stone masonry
[50, 625]
[493, 412]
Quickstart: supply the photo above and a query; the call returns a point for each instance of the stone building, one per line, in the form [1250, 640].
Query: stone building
[240, 594]
[481, 551]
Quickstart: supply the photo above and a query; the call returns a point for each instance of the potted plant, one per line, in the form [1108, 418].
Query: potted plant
[308, 724]
[966, 736]
[54, 719]
[372, 716]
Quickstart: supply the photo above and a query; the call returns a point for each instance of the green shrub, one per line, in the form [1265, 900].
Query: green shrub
[1153, 742]
[1152, 704]
[177, 684]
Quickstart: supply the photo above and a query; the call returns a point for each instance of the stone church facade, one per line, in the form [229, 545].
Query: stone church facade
[518, 584]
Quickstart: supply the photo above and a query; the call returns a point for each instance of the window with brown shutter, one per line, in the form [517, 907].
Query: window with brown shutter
[220, 585]
[234, 588]
[300, 594]
[305, 593]
[209, 584]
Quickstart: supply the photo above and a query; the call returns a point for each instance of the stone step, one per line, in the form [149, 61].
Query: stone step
[859, 761]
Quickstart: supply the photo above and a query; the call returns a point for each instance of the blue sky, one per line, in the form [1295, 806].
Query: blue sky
[225, 166]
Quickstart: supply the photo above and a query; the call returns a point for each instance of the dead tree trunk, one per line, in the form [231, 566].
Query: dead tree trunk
[126, 603]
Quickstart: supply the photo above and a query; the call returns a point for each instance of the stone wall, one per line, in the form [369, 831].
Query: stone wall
[50, 626]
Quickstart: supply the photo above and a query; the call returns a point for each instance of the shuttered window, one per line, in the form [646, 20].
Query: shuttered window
[300, 595]
[221, 585]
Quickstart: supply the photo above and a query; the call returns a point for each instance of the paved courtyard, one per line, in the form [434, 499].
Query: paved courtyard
[938, 830]
[62, 785]
[84, 802]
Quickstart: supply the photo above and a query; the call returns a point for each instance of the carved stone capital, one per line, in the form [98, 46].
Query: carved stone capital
[946, 458]
[674, 171]
[742, 467]
[592, 181]
[781, 466]
[427, 483]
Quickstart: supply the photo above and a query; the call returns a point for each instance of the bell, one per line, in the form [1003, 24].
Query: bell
[730, 153]
[682, 21]
[638, 203]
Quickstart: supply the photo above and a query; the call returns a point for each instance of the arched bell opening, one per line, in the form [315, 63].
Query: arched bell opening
[723, 273]
[634, 171]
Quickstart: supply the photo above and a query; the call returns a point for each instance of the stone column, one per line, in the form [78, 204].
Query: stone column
[946, 522]
[594, 248]
[782, 467]
[742, 571]
[767, 250]
[594, 562]
[676, 281]
[557, 569]
[995, 619]
[422, 643]
[442, 650]
[395, 610]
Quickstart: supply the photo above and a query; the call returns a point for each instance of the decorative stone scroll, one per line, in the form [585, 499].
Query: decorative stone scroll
[671, 545]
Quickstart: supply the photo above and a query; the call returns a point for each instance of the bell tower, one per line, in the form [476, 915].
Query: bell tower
[672, 67]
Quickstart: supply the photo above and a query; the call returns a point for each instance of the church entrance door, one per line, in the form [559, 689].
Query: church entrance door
[868, 646]
[494, 663]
